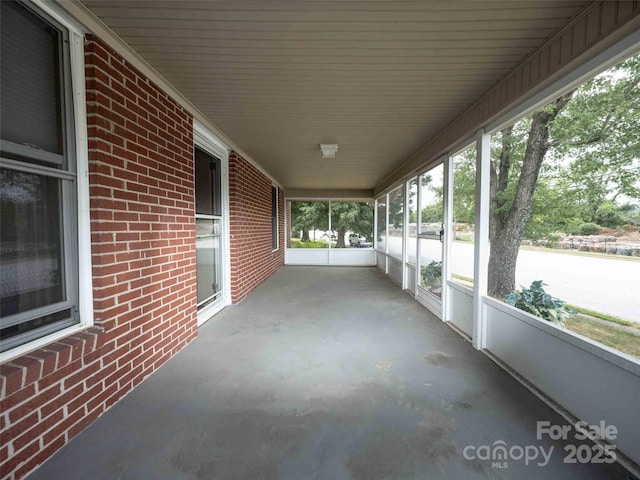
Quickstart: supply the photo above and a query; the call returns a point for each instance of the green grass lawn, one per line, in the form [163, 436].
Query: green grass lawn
[466, 280]
[603, 316]
[609, 335]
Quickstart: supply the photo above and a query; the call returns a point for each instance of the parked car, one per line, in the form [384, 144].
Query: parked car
[357, 240]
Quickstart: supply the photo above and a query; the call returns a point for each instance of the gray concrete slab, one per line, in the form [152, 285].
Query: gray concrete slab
[321, 373]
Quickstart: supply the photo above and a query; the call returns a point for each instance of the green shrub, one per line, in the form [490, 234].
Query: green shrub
[432, 273]
[539, 303]
[589, 228]
[552, 241]
[296, 243]
[573, 228]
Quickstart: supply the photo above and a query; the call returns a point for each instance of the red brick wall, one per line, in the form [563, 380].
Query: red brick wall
[143, 257]
[252, 259]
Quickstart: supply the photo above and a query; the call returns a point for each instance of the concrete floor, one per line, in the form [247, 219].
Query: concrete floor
[321, 373]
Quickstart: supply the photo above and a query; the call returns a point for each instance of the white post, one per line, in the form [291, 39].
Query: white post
[405, 234]
[386, 242]
[418, 232]
[374, 240]
[481, 245]
[448, 236]
[329, 239]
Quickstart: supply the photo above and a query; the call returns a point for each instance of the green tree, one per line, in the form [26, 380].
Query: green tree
[610, 215]
[434, 211]
[306, 216]
[599, 130]
[464, 186]
[591, 133]
[356, 217]
[396, 208]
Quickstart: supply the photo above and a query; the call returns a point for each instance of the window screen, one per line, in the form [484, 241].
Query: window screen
[30, 79]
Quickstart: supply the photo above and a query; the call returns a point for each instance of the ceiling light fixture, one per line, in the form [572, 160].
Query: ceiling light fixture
[328, 150]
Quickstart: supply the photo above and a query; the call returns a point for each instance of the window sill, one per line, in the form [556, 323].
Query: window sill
[25, 365]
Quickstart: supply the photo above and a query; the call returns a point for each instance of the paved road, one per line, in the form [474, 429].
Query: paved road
[607, 285]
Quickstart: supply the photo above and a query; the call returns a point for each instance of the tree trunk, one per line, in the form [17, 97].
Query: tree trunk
[499, 182]
[340, 240]
[508, 230]
[503, 259]
[305, 235]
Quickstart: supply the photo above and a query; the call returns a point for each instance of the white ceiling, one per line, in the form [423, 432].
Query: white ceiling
[380, 78]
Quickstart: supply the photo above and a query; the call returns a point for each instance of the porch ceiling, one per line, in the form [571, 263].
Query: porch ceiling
[380, 78]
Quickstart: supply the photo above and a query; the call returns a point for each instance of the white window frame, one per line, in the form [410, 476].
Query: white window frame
[207, 141]
[77, 104]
